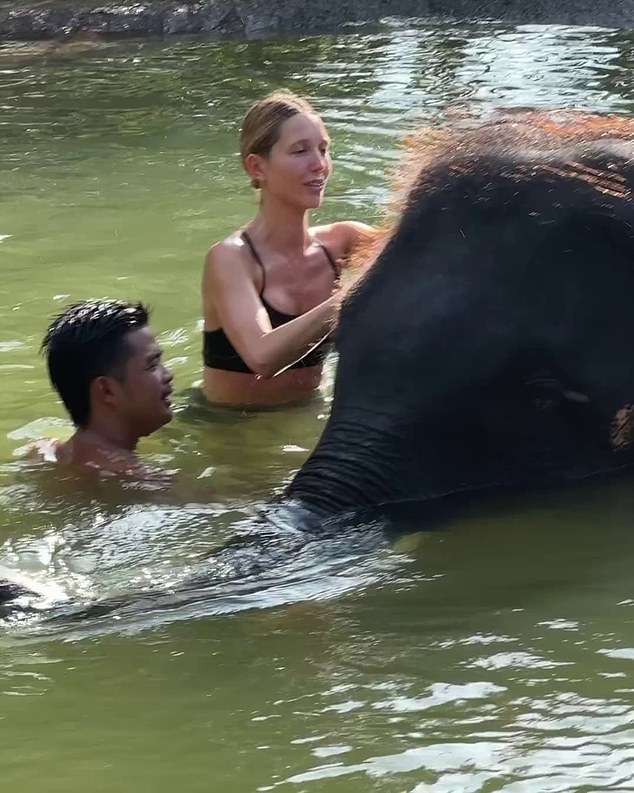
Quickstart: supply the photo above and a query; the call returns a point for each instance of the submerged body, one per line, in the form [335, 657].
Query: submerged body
[490, 345]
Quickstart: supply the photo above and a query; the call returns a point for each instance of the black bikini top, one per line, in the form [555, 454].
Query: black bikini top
[219, 352]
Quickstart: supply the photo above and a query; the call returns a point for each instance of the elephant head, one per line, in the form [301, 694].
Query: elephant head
[491, 343]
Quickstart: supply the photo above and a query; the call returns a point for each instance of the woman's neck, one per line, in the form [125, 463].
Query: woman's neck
[281, 227]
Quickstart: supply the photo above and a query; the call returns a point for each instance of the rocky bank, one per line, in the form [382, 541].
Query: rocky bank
[24, 20]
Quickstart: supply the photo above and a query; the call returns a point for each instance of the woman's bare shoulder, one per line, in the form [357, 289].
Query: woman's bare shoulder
[344, 235]
[230, 246]
[343, 230]
[228, 258]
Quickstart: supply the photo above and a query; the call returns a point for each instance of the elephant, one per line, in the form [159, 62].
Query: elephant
[489, 345]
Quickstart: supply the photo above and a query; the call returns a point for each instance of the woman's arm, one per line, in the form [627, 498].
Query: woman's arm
[265, 350]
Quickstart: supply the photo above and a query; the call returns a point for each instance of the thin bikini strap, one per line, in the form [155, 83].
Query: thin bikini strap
[249, 242]
[331, 259]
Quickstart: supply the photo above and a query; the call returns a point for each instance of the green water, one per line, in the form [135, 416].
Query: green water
[493, 656]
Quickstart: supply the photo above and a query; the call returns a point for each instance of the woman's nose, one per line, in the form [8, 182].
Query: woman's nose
[319, 161]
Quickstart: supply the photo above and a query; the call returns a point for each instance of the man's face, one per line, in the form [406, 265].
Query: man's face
[146, 386]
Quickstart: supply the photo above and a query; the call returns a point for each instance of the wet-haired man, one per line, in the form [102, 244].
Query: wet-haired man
[105, 364]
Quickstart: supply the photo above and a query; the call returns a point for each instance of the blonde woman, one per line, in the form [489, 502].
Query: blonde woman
[270, 288]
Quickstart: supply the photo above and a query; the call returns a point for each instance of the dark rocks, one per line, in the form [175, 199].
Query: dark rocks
[30, 19]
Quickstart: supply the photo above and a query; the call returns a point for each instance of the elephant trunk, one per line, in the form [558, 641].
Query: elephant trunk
[352, 467]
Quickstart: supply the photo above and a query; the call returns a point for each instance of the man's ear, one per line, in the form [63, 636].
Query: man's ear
[253, 165]
[105, 390]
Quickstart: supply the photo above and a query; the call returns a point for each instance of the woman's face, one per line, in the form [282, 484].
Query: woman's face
[299, 164]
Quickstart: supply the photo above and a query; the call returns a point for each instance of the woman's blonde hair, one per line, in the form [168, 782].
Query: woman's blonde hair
[263, 121]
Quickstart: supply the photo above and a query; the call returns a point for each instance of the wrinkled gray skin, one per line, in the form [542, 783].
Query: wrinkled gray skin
[489, 347]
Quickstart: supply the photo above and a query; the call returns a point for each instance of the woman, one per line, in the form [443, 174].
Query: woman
[270, 288]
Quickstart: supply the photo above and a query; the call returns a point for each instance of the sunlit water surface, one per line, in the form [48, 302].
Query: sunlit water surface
[496, 654]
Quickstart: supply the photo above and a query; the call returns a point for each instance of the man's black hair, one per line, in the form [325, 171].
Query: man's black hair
[88, 340]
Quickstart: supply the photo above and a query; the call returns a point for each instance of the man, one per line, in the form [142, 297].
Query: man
[104, 362]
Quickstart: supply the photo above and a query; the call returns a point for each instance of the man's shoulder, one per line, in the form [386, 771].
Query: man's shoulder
[92, 457]
[46, 450]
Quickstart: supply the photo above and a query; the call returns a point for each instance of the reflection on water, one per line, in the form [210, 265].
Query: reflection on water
[493, 655]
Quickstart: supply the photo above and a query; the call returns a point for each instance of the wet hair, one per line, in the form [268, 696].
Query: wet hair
[263, 121]
[88, 340]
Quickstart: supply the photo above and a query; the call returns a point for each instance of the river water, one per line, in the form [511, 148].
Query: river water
[495, 655]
